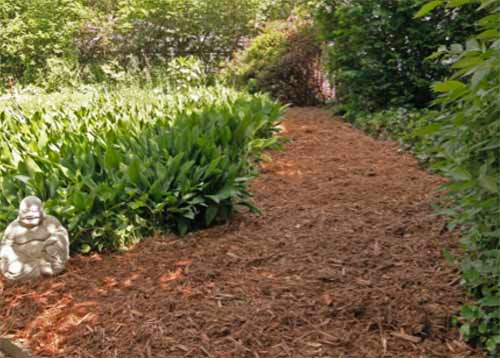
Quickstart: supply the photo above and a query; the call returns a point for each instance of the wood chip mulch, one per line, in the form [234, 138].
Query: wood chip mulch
[346, 260]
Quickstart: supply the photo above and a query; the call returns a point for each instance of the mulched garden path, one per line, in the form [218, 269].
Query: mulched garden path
[345, 261]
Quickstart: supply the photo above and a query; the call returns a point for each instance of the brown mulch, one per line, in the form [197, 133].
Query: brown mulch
[345, 261]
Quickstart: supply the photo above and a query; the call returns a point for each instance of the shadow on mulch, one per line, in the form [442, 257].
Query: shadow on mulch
[345, 261]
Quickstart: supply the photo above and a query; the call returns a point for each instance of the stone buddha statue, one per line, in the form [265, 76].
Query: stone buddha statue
[34, 244]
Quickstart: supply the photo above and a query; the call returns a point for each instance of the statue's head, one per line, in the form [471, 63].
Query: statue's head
[31, 212]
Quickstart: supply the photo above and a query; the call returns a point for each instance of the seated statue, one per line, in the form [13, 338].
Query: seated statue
[34, 244]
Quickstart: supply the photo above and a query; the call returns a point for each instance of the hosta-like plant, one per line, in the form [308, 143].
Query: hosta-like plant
[114, 172]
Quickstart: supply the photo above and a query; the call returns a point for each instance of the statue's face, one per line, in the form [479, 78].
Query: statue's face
[31, 212]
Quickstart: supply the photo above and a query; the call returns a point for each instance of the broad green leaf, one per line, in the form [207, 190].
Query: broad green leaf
[134, 171]
[210, 214]
[427, 8]
[448, 86]
[85, 249]
[429, 129]
[491, 301]
[459, 174]
[488, 35]
[489, 183]
[457, 3]
[111, 159]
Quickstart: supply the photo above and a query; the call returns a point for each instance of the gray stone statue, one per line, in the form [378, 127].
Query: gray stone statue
[34, 244]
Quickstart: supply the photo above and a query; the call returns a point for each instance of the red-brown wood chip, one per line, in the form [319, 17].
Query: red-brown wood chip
[345, 261]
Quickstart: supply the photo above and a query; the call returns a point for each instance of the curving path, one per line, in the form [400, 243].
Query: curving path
[345, 261]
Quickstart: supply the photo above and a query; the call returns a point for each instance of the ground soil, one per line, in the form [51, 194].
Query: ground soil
[346, 260]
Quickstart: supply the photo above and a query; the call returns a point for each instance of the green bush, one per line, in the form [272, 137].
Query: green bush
[32, 32]
[114, 171]
[283, 61]
[468, 129]
[59, 73]
[404, 125]
[185, 72]
[266, 48]
[377, 51]
[89, 34]
[159, 30]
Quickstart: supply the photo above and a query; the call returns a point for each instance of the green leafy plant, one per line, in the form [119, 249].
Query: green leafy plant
[115, 171]
[60, 73]
[405, 125]
[469, 153]
[377, 52]
[283, 61]
[91, 34]
[184, 73]
[34, 31]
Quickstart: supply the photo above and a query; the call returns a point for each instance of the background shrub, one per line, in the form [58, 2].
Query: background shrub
[183, 73]
[469, 154]
[87, 35]
[377, 52]
[283, 61]
[34, 31]
[114, 171]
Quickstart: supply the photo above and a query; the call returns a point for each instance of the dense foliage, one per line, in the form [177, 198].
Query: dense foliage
[114, 171]
[34, 32]
[284, 61]
[162, 29]
[468, 150]
[378, 52]
[183, 73]
[81, 36]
